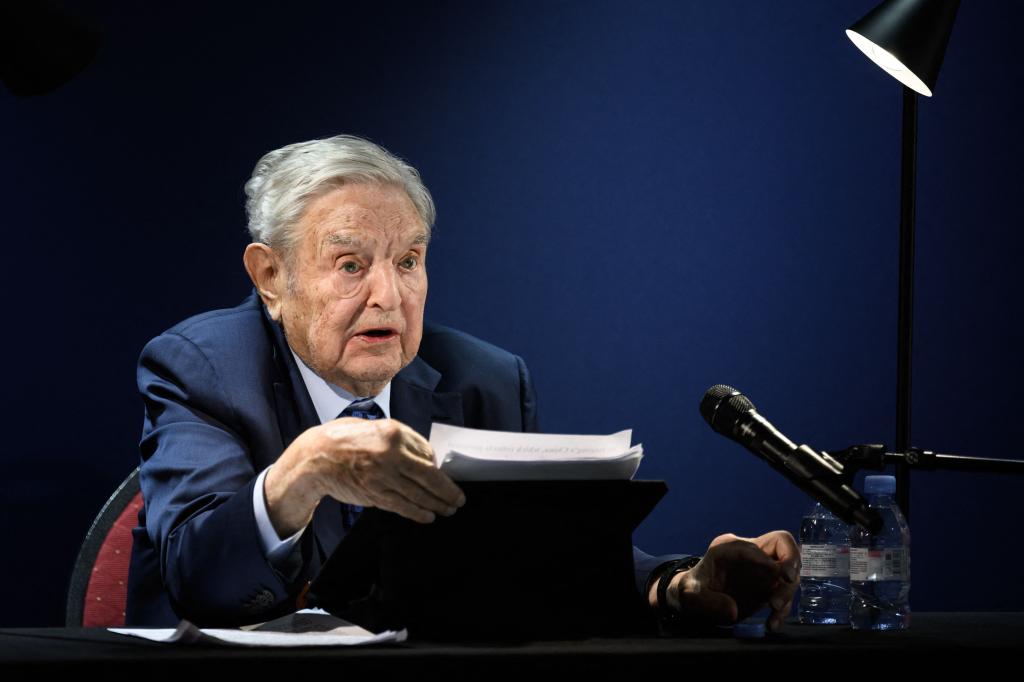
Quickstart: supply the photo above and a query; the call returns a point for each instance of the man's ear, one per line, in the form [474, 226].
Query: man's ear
[267, 271]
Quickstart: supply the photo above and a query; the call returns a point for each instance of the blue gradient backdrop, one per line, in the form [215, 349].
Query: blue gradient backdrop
[640, 198]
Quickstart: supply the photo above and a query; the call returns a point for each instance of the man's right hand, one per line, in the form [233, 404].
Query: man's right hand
[372, 463]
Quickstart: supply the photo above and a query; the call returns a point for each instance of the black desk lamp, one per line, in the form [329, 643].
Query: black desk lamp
[908, 39]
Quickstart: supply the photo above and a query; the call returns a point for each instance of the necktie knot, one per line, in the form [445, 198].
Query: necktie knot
[363, 409]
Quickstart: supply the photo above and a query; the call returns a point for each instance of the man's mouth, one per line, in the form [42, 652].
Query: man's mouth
[377, 334]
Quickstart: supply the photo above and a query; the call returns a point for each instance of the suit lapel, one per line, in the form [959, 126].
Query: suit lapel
[295, 414]
[414, 401]
[294, 407]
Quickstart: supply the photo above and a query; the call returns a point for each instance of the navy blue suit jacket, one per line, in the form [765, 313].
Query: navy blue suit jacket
[223, 399]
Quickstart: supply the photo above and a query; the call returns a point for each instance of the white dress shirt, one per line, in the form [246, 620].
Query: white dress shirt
[329, 401]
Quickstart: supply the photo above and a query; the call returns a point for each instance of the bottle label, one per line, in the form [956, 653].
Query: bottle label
[887, 563]
[824, 561]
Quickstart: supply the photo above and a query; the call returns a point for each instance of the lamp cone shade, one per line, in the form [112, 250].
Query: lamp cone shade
[908, 39]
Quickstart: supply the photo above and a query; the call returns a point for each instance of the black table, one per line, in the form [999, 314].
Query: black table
[933, 639]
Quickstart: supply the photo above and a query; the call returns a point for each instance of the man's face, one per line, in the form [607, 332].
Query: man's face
[353, 307]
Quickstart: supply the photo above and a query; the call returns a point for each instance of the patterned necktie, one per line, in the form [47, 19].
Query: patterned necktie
[360, 409]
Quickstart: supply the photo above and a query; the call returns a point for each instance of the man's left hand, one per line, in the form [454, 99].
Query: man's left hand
[738, 576]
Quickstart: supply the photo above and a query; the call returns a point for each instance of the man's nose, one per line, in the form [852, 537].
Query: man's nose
[383, 288]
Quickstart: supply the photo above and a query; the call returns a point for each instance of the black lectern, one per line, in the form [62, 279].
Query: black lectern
[521, 560]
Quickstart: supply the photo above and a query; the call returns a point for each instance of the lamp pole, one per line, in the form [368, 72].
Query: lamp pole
[906, 38]
[905, 307]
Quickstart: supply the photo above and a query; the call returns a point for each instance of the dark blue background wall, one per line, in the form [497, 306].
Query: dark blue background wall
[640, 198]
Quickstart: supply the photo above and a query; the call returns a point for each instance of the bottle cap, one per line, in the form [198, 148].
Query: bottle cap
[885, 485]
[749, 629]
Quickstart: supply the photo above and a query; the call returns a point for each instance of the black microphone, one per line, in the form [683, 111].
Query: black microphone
[731, 414]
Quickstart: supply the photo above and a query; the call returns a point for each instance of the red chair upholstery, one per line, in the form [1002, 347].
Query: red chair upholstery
[99, 583]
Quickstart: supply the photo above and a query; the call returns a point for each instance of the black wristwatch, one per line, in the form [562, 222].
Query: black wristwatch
[673, 568]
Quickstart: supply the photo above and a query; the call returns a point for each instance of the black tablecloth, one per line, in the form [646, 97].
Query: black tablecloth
[933, 638]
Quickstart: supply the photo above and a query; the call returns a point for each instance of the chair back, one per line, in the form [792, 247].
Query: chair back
[99, 582]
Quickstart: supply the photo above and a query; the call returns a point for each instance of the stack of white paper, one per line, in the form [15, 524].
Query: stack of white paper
[478, 455]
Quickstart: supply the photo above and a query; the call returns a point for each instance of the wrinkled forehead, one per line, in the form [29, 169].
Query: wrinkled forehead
[363, 215]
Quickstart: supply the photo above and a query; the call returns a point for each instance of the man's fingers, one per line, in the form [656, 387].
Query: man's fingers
[391, 501]
[395, 485]
[391, 465]
[420, 495]
[739, 547]
[417, 445]
[781, 603]
[779, 615]
[726, 537]
[783, 596]
[753, 572]
[781, 546]
[745, 555]
[782, 549]
[421, 468]
[433, 480]
[741, 570]
[709, 606]
[778, 543]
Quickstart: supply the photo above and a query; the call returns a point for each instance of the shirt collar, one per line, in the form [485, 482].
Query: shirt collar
[329, 400]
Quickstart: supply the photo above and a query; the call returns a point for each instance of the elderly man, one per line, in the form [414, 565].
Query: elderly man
[270, 425]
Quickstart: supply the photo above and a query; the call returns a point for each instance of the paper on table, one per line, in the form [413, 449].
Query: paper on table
[479, 455]
[310, 627]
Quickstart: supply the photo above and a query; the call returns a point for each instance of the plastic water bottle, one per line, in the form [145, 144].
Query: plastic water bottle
[824, 568]
[880, 564]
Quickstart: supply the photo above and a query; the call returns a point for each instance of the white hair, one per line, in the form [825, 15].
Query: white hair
[287, 179]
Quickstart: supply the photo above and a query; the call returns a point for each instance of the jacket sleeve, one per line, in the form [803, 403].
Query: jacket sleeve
[527, 398]
[197, 480]
[647, 568]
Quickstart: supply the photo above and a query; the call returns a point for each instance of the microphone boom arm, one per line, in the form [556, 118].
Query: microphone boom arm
[822, 477]
[875, 458]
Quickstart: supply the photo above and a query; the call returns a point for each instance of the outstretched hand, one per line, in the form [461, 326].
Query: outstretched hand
[737, 577]
[372, 463]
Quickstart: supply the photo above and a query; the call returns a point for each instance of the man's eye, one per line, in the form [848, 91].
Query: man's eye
[351, 267]
[409, 262]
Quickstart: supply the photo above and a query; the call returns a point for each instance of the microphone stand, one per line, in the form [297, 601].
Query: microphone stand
[875, 458]
[832, 482]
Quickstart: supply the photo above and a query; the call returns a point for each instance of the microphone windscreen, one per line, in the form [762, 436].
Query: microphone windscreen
[722, 405]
